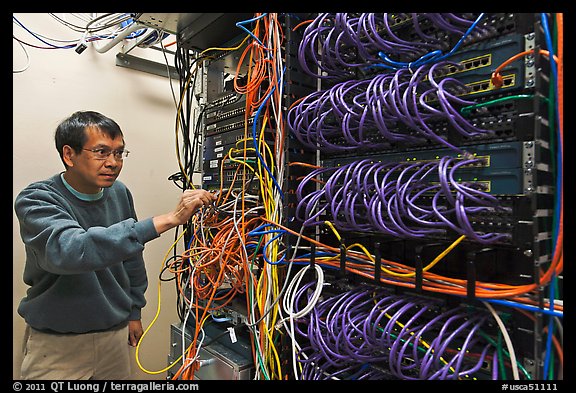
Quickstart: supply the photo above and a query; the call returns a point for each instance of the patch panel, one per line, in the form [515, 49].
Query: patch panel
[230, 179]
[497, 155]
[231, 124]
[474, 66]
[225, 111]
[218, 145]
[224, 99]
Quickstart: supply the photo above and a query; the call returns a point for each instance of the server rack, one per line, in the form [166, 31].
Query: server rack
[350, 153]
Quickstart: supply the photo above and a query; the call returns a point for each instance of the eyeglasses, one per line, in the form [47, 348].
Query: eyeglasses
[103, 154]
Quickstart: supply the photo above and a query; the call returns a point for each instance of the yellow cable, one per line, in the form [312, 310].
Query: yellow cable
[331, 226]
[271, 211]
[274, 354]
[223, 49]
[156, 317]
[426, 268]
[233, 159]
[269, 272]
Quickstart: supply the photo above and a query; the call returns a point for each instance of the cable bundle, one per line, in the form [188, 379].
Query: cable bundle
[222, 260]
[369, 333]
[406, 200]
[402, 107]
[335, 45]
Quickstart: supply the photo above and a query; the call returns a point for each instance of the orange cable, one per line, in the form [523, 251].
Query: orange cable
[496, 78]
[305, 22]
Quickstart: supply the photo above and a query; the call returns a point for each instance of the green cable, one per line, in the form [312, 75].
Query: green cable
[466, 109]
[250, 293]
[499, 346]
[556, 296]
[501, 363]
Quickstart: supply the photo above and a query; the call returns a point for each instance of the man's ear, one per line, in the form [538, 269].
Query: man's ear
[68, 155]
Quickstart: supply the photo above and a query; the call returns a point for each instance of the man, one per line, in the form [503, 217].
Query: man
[84, 256]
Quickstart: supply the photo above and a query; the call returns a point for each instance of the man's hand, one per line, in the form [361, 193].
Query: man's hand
[135, 331]
[190, 201]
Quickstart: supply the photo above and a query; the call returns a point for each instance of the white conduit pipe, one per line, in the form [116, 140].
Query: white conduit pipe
[132, 28]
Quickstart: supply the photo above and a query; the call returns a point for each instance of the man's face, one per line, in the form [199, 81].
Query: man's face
[87, 170]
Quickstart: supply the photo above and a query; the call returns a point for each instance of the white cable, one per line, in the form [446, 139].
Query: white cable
[256, 340]
[290, 295]
[507, 340]
[190, 361]
[185, 322]
[107, 21]
[290, 330]
[290, 298]
[27, 59]
[110, 44]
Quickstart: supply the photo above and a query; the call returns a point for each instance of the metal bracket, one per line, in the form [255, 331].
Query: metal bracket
[152, 67]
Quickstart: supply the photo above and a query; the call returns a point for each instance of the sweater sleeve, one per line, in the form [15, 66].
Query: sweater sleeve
[51, 229]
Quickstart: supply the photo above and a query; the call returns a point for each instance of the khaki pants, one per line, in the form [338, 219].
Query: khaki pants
[102, 355]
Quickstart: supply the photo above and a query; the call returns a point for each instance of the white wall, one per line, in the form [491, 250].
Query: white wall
[59, 82]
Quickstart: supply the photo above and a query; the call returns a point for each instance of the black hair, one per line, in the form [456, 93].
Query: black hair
[72, 130]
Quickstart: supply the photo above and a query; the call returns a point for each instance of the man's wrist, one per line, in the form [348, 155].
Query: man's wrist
[164, 222]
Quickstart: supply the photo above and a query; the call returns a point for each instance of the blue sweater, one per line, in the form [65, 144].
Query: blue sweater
[84, 263]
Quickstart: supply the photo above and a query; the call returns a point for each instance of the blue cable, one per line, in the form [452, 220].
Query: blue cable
[264, 251]
[134, 34]
[224, 319]
[319, 254]
[554, 71]
[40, 39]
[550, 46]
[548, 356]
[525, 307]
[192, 238]
[434, 56]
[240, 25]
[254, 126]
[257, 231]
[323, 266]
[260, 227]
[93, 38]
